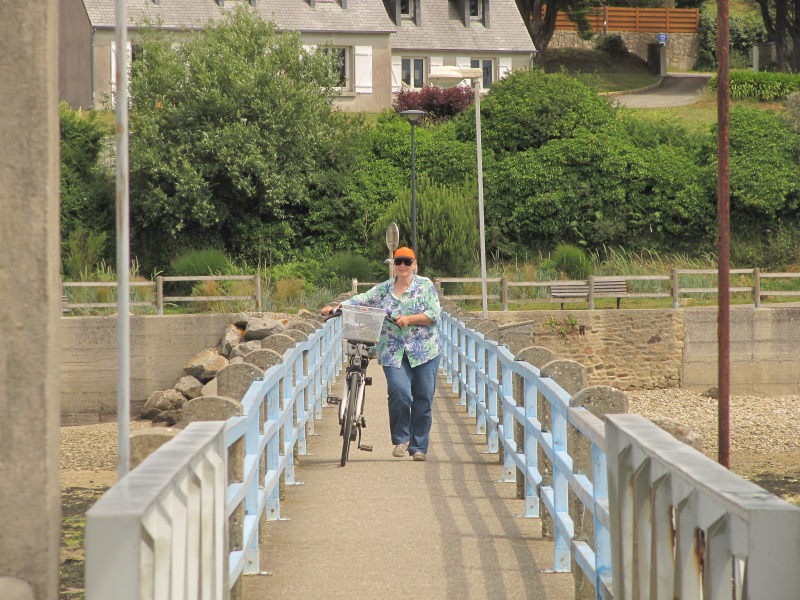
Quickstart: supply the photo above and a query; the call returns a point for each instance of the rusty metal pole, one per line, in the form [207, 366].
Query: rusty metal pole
[723, 223]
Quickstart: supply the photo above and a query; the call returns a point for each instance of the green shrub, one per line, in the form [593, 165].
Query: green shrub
[447, 226]
[764, 169]
[612, 44]
[347, 266]
[598, 189]
[572, 261]
[87, 185]
[528, 108]
[209, 261]
[84, 251]
[764, 86]
[745, 31]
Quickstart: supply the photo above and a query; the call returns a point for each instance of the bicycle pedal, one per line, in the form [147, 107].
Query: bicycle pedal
[365, 447]
[367, 380]
[334, 400]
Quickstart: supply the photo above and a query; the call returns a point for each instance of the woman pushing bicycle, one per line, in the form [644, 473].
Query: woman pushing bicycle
[408, 351]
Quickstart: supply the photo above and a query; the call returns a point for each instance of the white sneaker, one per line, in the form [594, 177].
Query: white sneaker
[419, 456]
[400, 450]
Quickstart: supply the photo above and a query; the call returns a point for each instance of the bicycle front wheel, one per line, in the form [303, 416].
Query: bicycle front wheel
[349, 418]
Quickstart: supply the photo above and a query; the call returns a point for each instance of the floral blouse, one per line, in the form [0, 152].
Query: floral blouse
[419, 342]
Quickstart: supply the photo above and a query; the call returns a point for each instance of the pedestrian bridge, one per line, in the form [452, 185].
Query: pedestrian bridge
[529, 492]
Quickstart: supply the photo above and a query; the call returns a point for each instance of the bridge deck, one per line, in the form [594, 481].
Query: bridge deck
[387, 528]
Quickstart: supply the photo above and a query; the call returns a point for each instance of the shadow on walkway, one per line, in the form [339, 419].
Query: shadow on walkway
[388, 528]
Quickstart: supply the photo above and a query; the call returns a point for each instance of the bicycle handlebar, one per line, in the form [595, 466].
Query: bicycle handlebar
[338, 313]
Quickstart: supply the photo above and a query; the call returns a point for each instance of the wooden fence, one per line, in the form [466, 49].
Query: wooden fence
[156, 290]
[670, 288]
[655, 20]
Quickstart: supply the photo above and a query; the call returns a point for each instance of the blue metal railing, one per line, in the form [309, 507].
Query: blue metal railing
[278, 410]
[165, 521]
[481, 372]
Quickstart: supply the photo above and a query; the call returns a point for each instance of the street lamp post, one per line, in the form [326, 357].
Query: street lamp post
[413, 117]
[448, 77]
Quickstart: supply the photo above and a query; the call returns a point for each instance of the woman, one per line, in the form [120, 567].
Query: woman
[408, 351]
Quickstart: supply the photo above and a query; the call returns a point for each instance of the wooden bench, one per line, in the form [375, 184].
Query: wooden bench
[573, 291]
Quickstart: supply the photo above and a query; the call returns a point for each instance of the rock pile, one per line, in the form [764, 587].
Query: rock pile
[251, 344]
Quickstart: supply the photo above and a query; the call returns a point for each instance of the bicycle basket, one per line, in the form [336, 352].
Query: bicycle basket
[362, 323]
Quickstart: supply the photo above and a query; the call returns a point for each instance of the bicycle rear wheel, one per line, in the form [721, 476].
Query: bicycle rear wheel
[349, 418]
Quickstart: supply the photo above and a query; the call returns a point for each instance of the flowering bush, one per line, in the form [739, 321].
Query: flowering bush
[439, 103]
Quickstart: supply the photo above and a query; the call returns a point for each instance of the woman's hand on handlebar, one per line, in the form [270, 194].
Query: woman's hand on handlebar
[330, 311]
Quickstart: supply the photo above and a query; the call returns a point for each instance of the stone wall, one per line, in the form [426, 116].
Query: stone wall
[626, 349]
[682, 48]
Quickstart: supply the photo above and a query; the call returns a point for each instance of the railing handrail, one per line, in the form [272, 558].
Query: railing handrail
[698, 529]
[278, 410]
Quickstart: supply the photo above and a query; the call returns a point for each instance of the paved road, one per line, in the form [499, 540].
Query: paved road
[384, 528]
[676, 89]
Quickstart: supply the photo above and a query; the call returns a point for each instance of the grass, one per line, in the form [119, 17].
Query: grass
[601, 71]
[702, 114]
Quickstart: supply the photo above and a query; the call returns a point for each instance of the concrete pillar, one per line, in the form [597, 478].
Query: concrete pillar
[30, 299]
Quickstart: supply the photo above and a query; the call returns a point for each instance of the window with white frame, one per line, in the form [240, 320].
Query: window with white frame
[407, 8]
[487, 66]
[413, 72]
[476, 9]
[341, 57]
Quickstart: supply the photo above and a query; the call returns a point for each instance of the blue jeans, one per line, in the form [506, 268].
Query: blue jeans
[410, 400]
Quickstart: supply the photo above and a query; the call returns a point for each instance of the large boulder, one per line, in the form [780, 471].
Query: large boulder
[308, 326]
[234, 380]
[264, 358]
[260, 327]
[146, 441]
[205, 365]
[230, 339]
[278, 342]
[161, 401]
[189, 386]
[245, 348]
[212, 408]
[296, 335]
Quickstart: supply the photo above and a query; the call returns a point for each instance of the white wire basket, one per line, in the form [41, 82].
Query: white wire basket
[362, 323]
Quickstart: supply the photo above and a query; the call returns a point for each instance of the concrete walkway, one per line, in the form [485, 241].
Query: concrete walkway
[676, 89]
[384, 528]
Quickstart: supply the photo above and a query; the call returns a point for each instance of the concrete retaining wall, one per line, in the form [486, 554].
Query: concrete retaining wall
[160, 345]
[641, 349]
[765, 350]
[626, 349]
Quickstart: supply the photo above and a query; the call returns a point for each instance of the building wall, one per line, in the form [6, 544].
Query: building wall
[380, 97]
[75, 55]
[682, 48]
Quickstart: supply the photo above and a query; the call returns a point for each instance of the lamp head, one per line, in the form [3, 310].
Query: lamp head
[449, 76]
[413, 116]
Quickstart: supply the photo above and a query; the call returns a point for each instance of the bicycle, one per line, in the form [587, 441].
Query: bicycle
[362, 327]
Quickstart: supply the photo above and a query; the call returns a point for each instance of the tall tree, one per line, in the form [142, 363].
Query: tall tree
[233, 142]
[540, 18]
[782, 22]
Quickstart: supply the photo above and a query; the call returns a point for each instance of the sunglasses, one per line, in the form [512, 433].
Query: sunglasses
[404, 261]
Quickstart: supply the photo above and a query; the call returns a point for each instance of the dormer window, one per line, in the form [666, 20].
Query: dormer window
[476, 9]
[407, 9]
